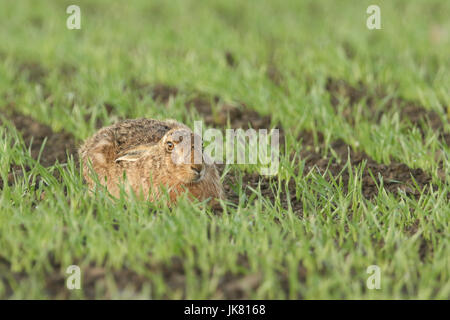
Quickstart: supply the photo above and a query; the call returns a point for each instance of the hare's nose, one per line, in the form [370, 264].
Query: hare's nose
[197, 168]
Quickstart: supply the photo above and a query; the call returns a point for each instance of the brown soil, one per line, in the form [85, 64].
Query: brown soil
[33, 71]
[274, 74]
[94, 280]
[239, 116]
[67, 70]
[230, 59]
[396, 177]
[57, 144]
[158, 92]
[340, 90]
[349, 50]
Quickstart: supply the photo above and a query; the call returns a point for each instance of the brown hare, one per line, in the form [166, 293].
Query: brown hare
[153, 155]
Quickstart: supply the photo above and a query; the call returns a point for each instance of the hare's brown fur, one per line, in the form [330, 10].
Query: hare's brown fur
[138, 149]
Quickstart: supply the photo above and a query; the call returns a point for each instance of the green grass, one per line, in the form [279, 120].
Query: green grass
[322, 255]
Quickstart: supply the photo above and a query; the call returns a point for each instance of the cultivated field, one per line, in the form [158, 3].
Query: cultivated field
[364, 151]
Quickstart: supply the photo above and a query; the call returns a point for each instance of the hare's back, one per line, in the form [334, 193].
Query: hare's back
[135, 132]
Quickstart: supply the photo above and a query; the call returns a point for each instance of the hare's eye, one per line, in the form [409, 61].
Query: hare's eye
[170, 146]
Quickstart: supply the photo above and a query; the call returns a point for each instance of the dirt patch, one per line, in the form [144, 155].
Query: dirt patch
[237, 116]
[349, 50]
[213, 111]
[417, 114]
[266, 185]
[67, 70]
[163, 93]
[378, 103]
[237, 285]
[159, 92]
[230, 59]
[35, 74]
[274, 74]
[33, 71]
[94, 280]
[57, 144]
[395, 176]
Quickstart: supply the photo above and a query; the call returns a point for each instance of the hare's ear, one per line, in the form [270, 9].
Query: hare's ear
[132, 155]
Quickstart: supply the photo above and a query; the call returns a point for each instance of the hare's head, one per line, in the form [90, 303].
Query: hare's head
[177, 157]
[183, 155]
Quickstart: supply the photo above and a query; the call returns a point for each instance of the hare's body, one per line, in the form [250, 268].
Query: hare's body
[143, 151]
